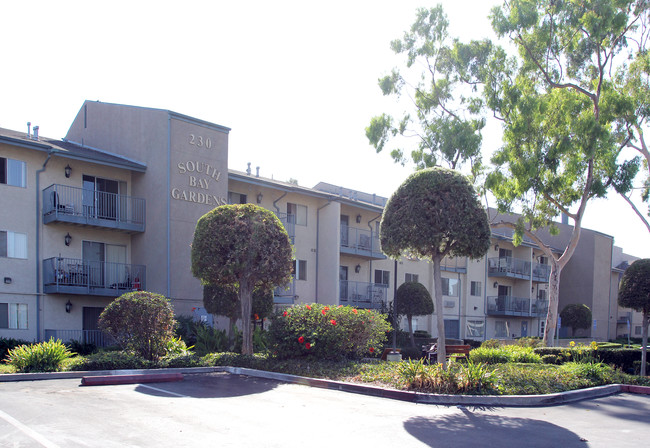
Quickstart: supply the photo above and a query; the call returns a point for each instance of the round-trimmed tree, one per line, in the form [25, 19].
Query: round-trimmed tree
[140, 321]
[413, 299]
[576, 315]
[435, 213]
[634, 292]
[244, 246]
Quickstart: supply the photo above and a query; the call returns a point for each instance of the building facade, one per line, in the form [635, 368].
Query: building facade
[112, 208]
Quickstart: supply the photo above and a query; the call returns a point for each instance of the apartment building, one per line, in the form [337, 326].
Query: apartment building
[112, 208]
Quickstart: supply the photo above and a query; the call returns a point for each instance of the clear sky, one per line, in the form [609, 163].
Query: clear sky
[296, 81]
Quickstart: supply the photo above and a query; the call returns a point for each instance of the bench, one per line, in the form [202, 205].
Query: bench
[431, 351]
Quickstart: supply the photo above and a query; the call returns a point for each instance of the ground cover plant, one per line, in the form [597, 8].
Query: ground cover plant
[43, 357]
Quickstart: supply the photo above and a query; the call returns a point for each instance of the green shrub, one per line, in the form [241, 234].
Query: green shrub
[491, 343]
[324, 332]
[551, 359]
[597, 373]
[210, 340]
[529, 341]
[466, 378]
[507, 353]
[141, 322]
[181, 360]
[113, 360]
[422, 334]
[81, 348]
[608, 345]
[177, 347]
[7, 344]
[43, 357]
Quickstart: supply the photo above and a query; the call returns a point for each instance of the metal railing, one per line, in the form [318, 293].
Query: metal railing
[285, 294]
[363, 294]
[289, 223]
[96, 337]
[360, 242]
[84, 206]
[518, 268]
[75, 276]
[516, 306]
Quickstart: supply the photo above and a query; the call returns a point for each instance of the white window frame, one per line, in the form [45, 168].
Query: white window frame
[300, 269]
[385, 277]
[16, 316]
[476, 288]
[412, 278]
[15, 245]
[475, 328]
[12, 169]
[299, 213]
[499, 332]
[450, 287]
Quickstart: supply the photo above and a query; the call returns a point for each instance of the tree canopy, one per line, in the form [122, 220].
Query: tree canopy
[244, 247]
[433, 214]
[576, 315]
[634, 292]
[413, 299]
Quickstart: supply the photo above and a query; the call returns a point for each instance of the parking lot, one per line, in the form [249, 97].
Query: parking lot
[221, 409]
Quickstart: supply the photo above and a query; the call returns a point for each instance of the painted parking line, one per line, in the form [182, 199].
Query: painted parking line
[157, 389]
[28, 431]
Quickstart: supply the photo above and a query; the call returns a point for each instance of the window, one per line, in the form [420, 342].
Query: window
[542, 327]
[297, 214]
[475, 288]
[452, 328]
[475, 329]
[543, 260]
[236, 198]
[13, 316]
[541, 294]
[501, 329]
[450, 287]
[300, 269]
[13, 244]
[637, 330]
[410, 278]
[382, 277]
[13, 172]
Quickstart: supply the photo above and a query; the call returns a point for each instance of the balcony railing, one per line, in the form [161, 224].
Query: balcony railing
[289, 223]
[516, 306]
[286, 294]
[518, 268]
[99, 278]
[96, 337]
[362, 294]
[360, 242]
[81, 206]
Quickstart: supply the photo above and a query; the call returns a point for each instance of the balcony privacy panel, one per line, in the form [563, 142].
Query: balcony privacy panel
[362, 294]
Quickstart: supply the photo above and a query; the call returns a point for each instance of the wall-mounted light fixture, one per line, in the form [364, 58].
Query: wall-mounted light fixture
[259, 198]
[68, 171]
[496, 247]
[67, 239]
[357, 268]
[68, 307]
[358, 219]
[8, 280]
[495, 285]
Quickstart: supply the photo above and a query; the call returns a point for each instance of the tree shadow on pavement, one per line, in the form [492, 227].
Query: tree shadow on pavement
[210, 385]
[623, 407]
[468, 429]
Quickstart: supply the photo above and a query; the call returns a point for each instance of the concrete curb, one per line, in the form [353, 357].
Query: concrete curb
[149, 375]
[109, 380]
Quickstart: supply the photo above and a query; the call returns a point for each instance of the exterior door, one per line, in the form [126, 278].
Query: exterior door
[343, 282]
[345, 231]
[524, 329]
[90, 322]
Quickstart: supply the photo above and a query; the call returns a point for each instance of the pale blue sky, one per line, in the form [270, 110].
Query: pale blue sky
[295, 80]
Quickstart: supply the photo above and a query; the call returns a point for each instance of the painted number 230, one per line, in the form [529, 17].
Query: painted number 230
[200, 142]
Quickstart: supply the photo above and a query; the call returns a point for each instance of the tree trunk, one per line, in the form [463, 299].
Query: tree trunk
[246, 300]
[553, 303]
[231, 332]
[437, 280]
[410, 320]
[644, 343]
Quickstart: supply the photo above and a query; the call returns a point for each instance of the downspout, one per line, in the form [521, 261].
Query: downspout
[38, 245]
[169, 160]
[370, 262]
[609, 301]
[275, 203]
[317, 240]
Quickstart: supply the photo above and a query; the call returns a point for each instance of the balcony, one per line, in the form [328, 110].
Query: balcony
[362, 294]
[289, 223]
[516, 306]
[285, 295]
[360, 242]
[95, 337]
[95, 278]
[92, 208]
[518, 268]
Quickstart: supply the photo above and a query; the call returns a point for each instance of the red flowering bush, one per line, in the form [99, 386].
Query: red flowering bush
[327, 333]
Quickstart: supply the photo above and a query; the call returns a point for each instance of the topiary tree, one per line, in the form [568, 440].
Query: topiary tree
[243, 246]
[140, 321]
[576, 315]
[634, 292]
[413, 299]
[435, 213]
